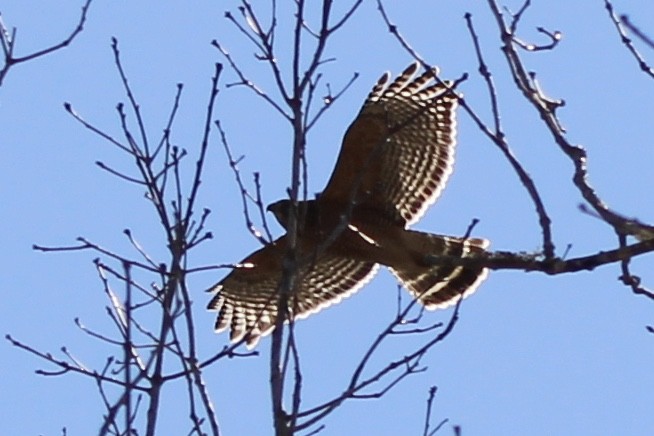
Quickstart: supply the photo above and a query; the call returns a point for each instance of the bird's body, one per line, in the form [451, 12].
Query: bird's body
[395, 160]
[361, 234]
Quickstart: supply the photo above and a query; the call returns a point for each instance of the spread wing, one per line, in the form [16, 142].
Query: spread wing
[246, 300]
[398, 153]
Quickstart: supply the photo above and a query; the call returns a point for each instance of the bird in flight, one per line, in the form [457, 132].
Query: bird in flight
[394, 162]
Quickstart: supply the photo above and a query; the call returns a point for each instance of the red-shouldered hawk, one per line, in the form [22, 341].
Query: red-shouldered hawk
[395, 160]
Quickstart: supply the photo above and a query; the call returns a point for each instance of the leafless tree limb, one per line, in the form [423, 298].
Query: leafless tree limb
[245, 195]
[430, 402]
[620, 22]
[636, 31]
[8, 42]
[138, 368]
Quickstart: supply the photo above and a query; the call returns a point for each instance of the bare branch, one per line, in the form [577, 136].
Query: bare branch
[636, 31]
[248, 83]
[70, 110]
[396, 370]
[130, 95]
[627, 278]
[430, 401]
[620, 23]
[64, 366]
[552, 266]
[546, 109]
[499, 138]
[8, 43]
[328, 101]
[87, 245]
[245, 195]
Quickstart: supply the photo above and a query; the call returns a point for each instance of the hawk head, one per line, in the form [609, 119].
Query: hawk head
[307, 212]
[281, 210]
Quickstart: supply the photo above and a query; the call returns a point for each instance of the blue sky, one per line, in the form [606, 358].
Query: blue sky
[531, 354]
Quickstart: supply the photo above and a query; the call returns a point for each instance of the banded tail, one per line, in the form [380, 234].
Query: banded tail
[438, 286]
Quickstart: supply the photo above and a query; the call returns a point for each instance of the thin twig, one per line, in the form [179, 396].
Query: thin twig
[9, 42]
[618, 22]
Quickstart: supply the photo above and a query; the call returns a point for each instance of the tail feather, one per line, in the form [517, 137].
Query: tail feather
[439, 286]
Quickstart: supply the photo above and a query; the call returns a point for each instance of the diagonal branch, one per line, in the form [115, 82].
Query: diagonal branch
[9, 42]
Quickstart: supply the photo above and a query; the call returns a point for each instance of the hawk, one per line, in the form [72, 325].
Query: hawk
[394, 162]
